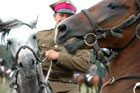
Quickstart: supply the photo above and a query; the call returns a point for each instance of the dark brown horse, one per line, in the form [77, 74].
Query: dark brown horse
[112, 24]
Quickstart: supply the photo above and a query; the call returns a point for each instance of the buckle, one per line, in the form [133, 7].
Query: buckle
[112, 80]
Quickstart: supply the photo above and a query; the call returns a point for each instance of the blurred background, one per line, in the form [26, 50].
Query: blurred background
[28, 10]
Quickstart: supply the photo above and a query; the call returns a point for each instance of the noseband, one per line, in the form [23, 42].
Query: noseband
[116, 32]
[23, 47]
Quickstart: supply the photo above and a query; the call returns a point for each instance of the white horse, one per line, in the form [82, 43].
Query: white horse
[21, 39]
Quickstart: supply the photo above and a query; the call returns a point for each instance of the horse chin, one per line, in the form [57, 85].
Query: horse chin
[74, 45]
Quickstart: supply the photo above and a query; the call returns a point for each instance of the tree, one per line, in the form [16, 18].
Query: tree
[6, 54]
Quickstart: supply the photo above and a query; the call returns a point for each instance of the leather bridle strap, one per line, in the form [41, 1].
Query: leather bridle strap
[113, 80]
[23, 47]
[92, 20]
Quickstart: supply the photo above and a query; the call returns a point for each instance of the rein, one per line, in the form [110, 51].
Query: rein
[116, 32]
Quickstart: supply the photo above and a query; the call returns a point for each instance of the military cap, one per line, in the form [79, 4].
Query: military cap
[65, 6]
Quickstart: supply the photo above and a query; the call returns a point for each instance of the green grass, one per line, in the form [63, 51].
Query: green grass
[84, 90]
[4, 88]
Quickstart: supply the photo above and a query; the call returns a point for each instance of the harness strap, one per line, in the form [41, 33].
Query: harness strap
[111, 81]
[138, 29]
[92, 20]
[23, 47]
[15, 84]
[126, 45]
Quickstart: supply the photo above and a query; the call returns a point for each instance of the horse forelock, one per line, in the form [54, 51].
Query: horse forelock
[6, 27]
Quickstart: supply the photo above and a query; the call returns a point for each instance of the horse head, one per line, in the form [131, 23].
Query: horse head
[110, 22]
[21, 34]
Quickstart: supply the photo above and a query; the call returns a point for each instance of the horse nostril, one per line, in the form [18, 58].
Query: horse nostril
[20, 64]
[62, 27]
[33, 62]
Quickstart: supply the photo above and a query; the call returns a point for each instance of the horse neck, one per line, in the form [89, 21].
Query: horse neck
[128, 59]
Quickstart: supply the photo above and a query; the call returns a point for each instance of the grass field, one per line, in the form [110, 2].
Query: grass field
[84, 90]
[5, 89]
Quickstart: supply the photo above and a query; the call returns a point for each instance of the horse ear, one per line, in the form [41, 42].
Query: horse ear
[34, 23]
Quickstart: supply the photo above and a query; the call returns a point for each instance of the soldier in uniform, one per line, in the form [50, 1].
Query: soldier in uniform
[64, 65]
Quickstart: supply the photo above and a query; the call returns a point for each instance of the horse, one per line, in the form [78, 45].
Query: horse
[3, 74]
[3, 69]
[90, 79]
[21, 40]
[112, 24]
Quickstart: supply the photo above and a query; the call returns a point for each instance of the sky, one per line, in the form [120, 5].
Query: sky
[28, 10]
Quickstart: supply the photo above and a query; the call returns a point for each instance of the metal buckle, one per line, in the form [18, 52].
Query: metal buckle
[112, 80]
[85, 37]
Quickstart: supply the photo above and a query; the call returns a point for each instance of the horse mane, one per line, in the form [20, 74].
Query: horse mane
[6, 26]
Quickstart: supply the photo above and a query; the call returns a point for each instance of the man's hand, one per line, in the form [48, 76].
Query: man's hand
[52, 55]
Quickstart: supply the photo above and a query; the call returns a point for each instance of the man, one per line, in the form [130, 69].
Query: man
[64, 65]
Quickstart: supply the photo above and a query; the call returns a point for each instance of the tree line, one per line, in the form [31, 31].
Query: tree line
[6, 54]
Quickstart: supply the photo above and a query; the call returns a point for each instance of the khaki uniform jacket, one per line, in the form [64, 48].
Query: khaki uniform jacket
[65, 64]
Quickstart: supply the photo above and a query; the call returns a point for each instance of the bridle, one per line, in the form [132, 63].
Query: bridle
[101, 33]
[18, 69]
[23, 47]
[114, 31]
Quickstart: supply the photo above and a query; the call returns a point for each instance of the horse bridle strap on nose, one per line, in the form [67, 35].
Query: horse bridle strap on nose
[92, 20]
[23, 47]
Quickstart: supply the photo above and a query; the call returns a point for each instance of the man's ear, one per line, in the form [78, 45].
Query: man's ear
[54, 16]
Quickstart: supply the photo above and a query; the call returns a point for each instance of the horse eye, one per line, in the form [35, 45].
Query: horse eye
[9, 42]
[112, 6]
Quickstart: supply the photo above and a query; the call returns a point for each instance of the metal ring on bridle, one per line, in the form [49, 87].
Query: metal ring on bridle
[112, 80]
[85, 37]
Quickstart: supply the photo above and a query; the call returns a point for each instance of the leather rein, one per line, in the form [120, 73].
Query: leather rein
[116, 32]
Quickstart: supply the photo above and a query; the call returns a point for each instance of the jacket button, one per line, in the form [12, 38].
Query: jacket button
[43, 44]
[55, 46]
